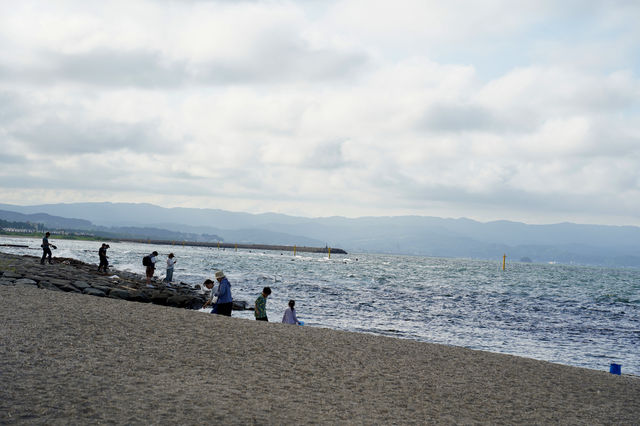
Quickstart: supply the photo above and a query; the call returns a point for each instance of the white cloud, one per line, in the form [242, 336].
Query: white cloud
[337, 108]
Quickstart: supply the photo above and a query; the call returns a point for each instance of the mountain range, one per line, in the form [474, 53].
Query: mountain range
[413, 235]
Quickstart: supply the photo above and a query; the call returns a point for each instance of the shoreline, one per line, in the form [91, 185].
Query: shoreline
[67, 358]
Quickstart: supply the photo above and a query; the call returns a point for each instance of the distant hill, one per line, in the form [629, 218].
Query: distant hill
[49, 220]
[416, 235]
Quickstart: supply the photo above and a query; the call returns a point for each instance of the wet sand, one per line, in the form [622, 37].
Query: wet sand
[68, 358]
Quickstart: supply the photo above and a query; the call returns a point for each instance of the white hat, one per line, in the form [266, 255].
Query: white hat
[219, 274]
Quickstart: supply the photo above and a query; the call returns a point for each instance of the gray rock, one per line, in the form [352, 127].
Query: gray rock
[241, 305]
[67, 287]
[160, 297]
[118, 293]
[102, 288]
[59, 282]
[25, 281]
[179, 301]
[139, 296]
[7, 282]
[93, 292]
[47, 285]
[81, 285]
[10, 274]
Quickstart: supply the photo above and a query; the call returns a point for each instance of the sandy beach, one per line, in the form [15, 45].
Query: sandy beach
[69, 358]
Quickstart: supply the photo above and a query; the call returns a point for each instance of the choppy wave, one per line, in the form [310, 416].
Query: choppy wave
[582, 316]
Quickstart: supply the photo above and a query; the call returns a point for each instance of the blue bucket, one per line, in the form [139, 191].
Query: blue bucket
[615, 368]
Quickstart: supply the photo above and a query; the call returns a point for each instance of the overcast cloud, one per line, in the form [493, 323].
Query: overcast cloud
[525, 110]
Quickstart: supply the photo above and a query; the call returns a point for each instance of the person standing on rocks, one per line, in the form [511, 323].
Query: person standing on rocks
[150, 262]
[261, 305]
[104, 263]
[171, 260]
[225, 301]
[46, 251]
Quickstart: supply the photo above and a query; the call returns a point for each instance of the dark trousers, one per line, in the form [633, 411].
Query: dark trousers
[104, 264]
[224, 309]
[46, 251]
[262, 319]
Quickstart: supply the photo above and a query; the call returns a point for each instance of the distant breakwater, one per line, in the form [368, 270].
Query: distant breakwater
[74, 276]
[302, 249]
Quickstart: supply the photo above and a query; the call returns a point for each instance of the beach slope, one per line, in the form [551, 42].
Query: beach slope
[71, 358]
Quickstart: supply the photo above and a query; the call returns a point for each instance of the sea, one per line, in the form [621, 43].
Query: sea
[574, 315]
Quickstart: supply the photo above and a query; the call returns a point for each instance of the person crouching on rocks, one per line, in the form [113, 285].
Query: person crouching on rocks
[104, 263]
[225, 301]
[213, 299]
[46, 251]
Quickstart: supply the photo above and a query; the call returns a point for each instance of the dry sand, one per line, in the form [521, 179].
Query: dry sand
[75, 359]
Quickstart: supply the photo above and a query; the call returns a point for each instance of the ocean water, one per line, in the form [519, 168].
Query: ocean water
[573, 315]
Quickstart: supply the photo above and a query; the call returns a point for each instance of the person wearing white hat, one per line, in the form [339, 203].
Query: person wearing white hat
[225, 301]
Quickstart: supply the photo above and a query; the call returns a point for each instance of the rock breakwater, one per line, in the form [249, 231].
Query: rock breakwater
[72, 275]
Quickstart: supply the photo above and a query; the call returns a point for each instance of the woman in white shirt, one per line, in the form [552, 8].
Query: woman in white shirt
[289, 316]
[171, 260]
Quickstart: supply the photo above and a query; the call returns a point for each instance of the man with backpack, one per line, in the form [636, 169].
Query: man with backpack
[150, 262]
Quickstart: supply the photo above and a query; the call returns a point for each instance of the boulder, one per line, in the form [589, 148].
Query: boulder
[66, 286]
[59, 281]
[160, 297]
[196, 303]
[241, 305]
[138, 296]
[25, 281]
[177, 301]
[10, 274]
[185, 301]
[93, 292]
[47, 285]
[81, 285]
[102, 288]
[118, 293]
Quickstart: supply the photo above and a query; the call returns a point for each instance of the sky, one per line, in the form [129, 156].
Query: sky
[490, 110]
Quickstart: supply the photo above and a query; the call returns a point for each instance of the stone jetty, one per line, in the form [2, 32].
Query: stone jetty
[72, 275]
[246, 246]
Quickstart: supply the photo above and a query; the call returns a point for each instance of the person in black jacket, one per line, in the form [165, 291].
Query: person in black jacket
[46, 251]
[102, 253]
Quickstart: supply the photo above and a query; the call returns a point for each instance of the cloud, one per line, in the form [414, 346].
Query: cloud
[456, 118]
[61, 136]
[490, 110]
[199, 43]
